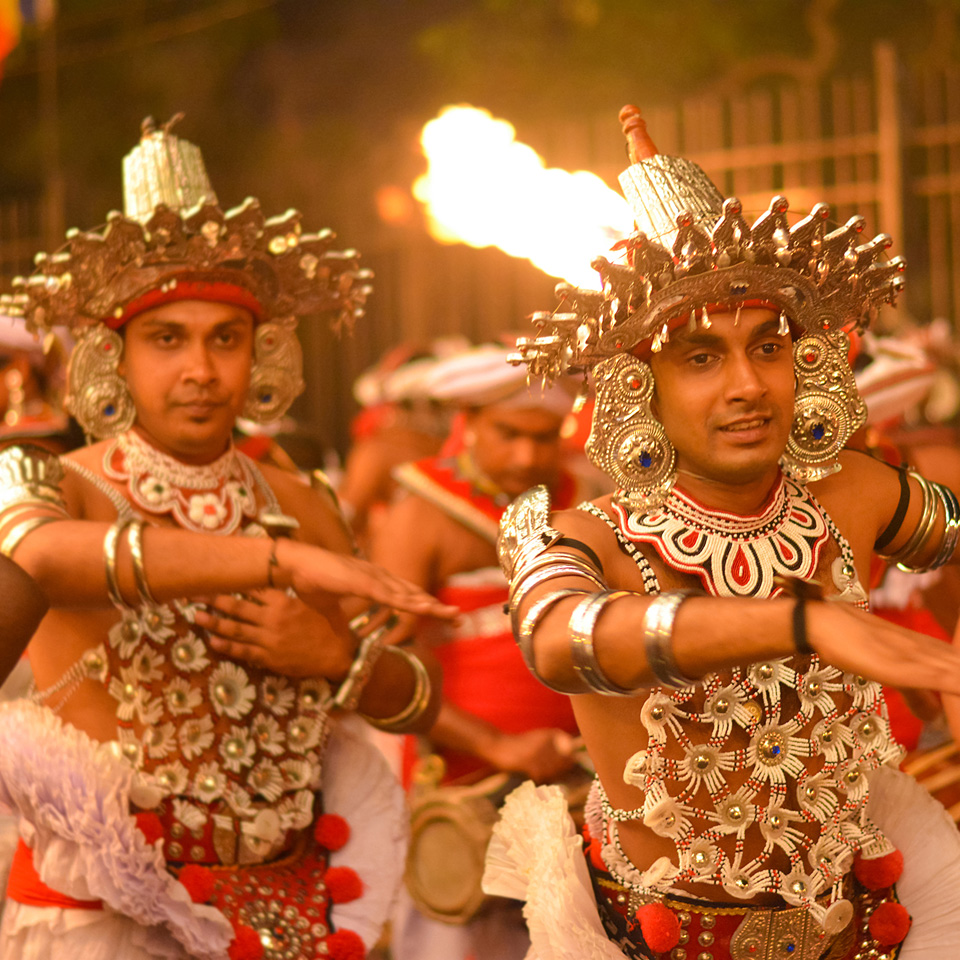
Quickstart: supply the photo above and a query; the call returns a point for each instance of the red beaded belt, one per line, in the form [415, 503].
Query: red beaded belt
[218, 841]
[723, 931]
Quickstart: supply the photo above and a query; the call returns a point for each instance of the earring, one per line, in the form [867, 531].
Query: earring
[626, 440]
[276, 378]
[96, 393]
[828, 407]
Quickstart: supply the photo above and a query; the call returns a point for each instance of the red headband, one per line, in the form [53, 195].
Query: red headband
[643, 350]
[210, 291]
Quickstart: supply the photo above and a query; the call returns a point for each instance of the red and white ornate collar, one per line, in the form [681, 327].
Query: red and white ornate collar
[212, 498]
[734, 555]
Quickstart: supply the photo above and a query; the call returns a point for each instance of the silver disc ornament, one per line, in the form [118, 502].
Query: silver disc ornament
[97, 395]
[828, 408]
[276, 378]
[626, 441]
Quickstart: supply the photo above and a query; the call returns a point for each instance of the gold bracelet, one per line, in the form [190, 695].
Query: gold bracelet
[419, 701]
[135, 543]
[12, 540]
[110, 543]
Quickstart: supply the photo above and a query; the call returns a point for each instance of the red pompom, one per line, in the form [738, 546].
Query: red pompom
[343, 884]
[660, 926]
[246, 943]
[889, 923]
[199, 882]
[879, 873]
[331, 831]
[345, 945]
[595, 853]
[149, 825]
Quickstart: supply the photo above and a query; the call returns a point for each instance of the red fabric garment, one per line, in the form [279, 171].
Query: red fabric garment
[25, 886]
[483, 671]
[486, 676]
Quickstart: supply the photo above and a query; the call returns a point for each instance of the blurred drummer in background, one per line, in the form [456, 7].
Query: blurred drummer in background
[397, 422]
[495, 715]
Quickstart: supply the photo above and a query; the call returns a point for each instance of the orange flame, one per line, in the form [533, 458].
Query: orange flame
[484, 188]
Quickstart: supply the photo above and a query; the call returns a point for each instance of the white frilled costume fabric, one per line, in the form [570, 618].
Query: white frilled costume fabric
[74, 799]
[536, 856]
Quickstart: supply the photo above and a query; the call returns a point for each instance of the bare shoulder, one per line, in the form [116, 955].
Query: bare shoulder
[81, 496]
[315, 509]
[862, 495]
[410, 516]
[591, 529]
[415, 539]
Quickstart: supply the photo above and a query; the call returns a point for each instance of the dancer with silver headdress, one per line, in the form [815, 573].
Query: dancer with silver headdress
[711, 625]
[173, 800]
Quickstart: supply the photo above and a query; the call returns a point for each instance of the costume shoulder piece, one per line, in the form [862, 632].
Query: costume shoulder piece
[29, 471]
[525, 530]
[30, 494]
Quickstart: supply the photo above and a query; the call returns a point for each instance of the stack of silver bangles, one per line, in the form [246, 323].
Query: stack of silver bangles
[658, 623]
[920, 538]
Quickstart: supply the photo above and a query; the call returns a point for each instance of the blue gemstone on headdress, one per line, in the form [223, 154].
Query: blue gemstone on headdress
[791, 947]
[775, 750]
[645, 459]
[109, 410]
[818, 431]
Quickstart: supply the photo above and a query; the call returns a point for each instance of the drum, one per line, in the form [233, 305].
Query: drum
[450, 830]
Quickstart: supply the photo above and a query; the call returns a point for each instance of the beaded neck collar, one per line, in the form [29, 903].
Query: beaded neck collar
[735, 555]
[212, 498]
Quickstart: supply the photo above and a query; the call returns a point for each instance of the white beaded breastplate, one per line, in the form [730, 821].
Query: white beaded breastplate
[727, 758]
[223, 740]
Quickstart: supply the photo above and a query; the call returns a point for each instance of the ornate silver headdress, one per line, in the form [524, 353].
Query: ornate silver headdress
[173, 230]
[693, 249]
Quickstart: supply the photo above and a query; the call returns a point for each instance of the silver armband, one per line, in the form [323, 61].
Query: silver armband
[30, 494]
[525, 530]
[551, 571]
[657, 636]
[368, 652]
[30, 474]
[919, 541]
[524, 636]
[583, 622]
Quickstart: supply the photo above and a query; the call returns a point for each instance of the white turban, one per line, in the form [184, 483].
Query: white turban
[482, 376]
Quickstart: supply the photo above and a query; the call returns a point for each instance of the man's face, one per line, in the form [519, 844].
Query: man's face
[516, 448]
[187, 365]
[725, 396]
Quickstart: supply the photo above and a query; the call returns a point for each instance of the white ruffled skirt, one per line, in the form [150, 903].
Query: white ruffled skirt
[73, 798]
[536, 856]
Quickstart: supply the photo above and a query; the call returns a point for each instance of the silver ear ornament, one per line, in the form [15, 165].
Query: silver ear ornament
[97, 395]
[626, 441]
[276, 378]
[828, 407]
